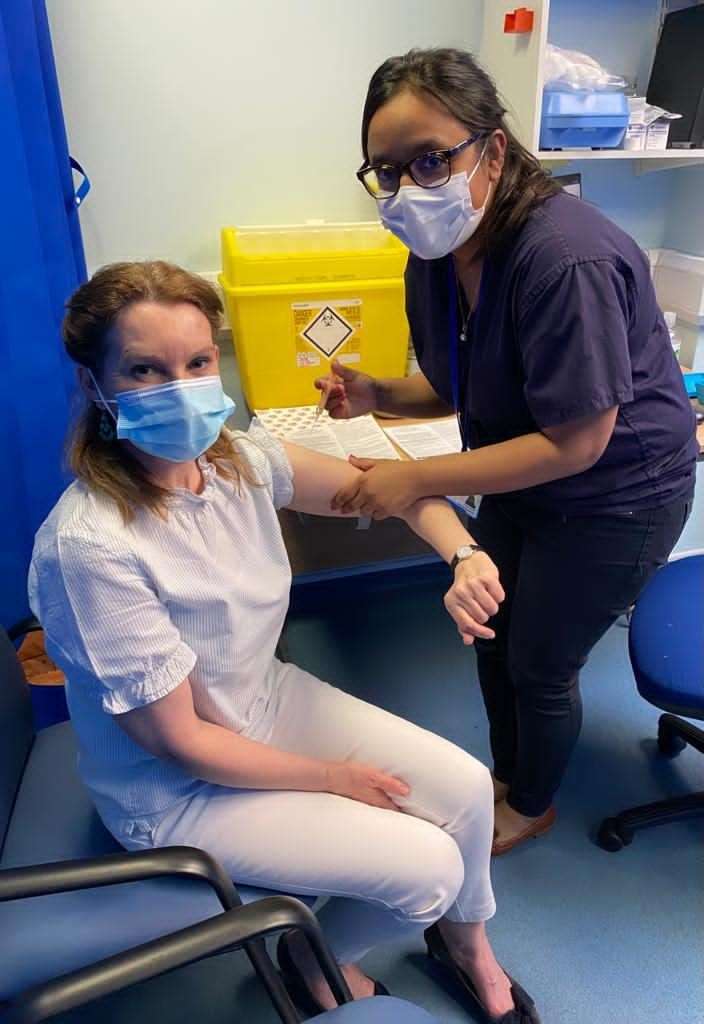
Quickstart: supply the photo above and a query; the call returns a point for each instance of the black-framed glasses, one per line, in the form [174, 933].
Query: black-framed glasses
[429, 170]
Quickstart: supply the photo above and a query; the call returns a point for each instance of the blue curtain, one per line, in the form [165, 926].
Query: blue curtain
[41, 263]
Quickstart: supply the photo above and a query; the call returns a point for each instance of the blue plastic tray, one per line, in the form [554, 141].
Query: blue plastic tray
[583, 119]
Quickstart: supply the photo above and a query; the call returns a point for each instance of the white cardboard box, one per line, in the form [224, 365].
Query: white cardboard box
[657, 134]
[635, 137]
[648, 126]
[679, 284]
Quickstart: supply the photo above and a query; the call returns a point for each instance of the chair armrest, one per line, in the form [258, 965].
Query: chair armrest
[216, 935]
[116, 868]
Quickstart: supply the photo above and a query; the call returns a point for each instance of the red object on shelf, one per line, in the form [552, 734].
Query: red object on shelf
[520, 20]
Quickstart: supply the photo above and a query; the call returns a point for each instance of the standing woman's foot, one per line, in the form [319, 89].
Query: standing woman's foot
[500, 789]
[512, 828]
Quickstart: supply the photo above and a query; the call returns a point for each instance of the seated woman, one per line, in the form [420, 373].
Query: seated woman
[162, 582]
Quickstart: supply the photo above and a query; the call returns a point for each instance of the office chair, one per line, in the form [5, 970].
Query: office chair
[666, 647]
[80, 876]
[239, 926]
[80, 918]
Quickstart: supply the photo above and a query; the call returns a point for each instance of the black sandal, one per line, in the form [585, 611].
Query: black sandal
[296, 986]
[524, 1011]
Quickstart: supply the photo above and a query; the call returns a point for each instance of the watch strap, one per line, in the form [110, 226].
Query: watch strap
[456, 559]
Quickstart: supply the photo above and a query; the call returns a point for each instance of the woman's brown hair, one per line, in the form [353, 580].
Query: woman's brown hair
[457, 81]
[105, 465]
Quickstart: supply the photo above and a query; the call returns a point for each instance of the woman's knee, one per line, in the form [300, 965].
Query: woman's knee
[433, 877]
[470, 791]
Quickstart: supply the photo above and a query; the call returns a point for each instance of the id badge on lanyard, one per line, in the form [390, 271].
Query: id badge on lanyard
[472, 502]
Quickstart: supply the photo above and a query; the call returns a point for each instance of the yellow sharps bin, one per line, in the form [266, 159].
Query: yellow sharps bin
[299, 296]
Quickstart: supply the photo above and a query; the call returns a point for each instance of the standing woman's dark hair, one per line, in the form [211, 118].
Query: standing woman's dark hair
[456, 80]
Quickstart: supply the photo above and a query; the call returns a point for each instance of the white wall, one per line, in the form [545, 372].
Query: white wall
[192, 115]
[685, 223]
[640, 204]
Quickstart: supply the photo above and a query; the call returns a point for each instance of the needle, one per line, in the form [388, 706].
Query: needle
[323, 399]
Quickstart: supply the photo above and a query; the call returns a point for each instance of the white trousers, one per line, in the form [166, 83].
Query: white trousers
[388, 874]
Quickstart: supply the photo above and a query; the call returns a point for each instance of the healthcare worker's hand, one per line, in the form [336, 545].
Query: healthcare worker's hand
[474, 597]
[365, 783]
[386, 488]
[349, 393]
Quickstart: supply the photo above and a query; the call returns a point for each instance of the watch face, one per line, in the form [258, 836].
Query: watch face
[465, 552]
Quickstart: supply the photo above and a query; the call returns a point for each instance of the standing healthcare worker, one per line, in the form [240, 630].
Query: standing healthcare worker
[534, 317]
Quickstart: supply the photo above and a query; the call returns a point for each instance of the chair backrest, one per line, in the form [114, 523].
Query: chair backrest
[16, 729]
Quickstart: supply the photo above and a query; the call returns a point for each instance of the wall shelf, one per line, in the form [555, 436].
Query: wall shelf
[517, 63]
[643, 161]
[685, 155]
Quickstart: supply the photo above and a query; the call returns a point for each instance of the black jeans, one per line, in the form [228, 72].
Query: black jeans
[567, 579]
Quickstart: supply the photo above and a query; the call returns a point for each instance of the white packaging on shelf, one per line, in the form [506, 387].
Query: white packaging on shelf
[648, 126]
[679, 284]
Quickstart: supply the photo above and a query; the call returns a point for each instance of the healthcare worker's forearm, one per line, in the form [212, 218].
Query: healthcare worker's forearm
[436, 522]
[224, 758]
[410, 396]
[509, 466]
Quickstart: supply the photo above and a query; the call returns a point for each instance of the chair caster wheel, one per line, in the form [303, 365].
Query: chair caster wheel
[669, 743]
[613, 836]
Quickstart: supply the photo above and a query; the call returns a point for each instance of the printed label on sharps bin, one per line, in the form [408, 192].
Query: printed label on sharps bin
[328, 328]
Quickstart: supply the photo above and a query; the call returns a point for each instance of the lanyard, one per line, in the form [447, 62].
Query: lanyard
[454, 341]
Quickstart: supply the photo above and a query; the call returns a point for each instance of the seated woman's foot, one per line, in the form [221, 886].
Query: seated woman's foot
[512, 828]
[500, 790]
[361, 986]
[479, 963]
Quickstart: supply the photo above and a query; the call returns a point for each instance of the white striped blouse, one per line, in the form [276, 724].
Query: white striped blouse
[130, 611]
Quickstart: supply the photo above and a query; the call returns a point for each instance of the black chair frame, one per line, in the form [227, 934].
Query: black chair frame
[238, 926]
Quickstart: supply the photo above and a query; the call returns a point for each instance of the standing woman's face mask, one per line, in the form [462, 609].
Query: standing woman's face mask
[435, 170]
[161, 384]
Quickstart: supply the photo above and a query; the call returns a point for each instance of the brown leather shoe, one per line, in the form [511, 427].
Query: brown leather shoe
[537, 828]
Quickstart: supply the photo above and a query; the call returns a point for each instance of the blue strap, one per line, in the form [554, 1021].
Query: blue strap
[454, 339]
[84, 188]
[454, 349]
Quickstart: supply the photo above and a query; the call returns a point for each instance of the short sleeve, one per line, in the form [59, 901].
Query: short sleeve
[266, 457]
[573, 337]
[104, 623]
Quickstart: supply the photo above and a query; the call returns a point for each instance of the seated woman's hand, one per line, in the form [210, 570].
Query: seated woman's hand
[365, 783]
[474, 597]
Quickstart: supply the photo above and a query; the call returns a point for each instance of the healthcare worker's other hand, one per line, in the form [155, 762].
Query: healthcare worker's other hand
[349, 393]
[474, 597]
[365, 783]
[386, 488]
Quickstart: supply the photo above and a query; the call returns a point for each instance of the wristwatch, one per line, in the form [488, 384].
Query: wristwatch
[466, 551]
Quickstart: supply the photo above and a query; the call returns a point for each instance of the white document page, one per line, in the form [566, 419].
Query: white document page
[449, 431]
[340, 438]
[363, 437]
[423, 440]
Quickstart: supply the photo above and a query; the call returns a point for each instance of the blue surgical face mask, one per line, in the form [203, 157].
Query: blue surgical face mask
[177, 421]
[433, 222]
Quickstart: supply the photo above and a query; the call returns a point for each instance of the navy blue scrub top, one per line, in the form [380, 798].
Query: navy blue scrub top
[567, 324]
